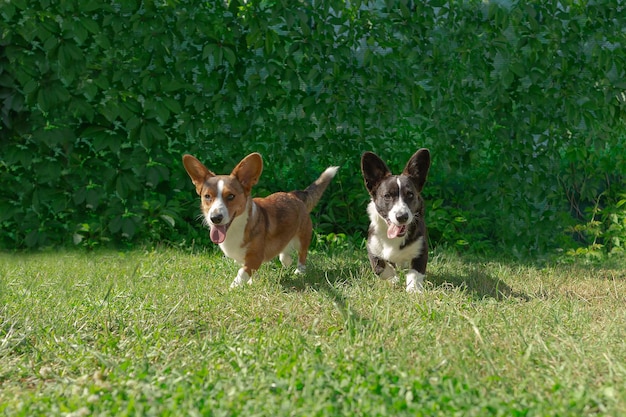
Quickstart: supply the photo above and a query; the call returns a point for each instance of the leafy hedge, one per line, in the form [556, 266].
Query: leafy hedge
[522, 105]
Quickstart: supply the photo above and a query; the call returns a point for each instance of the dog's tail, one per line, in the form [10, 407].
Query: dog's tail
[312, 194]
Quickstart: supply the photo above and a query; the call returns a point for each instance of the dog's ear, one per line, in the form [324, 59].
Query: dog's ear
[417, 167]
[198, 172]
[374, 170]
[248, 171]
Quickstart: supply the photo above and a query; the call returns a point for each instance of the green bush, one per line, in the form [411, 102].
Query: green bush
[100, 100]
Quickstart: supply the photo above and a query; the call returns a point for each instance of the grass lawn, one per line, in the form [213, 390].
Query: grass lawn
[160, 333]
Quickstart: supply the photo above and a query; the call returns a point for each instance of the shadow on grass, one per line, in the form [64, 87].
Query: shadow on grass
[478, 283]
[328, 282]
[314, 279]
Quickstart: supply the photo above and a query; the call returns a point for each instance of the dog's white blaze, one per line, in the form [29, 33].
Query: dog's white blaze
[219, 207]
[232, 246]
[400, 207]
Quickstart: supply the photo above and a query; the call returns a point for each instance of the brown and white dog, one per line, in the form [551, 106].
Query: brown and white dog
[397, 233]
[254, 230]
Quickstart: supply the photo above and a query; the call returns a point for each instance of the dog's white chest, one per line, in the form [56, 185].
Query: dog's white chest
[233, 250]
[390, 249]
[233, 246]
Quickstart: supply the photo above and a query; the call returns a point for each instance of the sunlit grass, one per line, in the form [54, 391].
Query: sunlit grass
[159, 332]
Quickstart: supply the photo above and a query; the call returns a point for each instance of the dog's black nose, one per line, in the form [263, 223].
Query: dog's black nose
[401, 218]
[217, 218]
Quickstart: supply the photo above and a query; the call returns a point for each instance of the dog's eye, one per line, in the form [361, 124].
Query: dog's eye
[230, 197]
[410, 195]
[387, 197]
[208, 197]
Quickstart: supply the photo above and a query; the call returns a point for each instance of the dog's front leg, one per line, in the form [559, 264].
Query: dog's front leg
[383, 268]
[242, 277]
[417, 273]
[414, 281]
[251, 263]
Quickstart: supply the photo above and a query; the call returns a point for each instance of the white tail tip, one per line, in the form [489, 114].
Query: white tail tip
[330, 171]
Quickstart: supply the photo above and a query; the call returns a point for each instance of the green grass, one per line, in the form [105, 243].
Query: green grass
[159, 333]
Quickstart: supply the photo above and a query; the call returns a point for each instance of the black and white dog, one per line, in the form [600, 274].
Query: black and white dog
[397, 233]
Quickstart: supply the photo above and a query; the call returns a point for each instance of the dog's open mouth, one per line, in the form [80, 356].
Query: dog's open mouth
[394, 230]
[218, 232]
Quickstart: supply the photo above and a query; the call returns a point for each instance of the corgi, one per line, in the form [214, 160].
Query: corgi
[397, 231]
[254, 230]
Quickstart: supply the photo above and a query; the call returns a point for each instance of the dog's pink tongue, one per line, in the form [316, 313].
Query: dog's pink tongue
[394, 231]
[218, 233]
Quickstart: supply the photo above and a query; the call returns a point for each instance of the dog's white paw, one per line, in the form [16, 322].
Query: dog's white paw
[417, 288]
[241, 278]
[301, 269]
[414, 282]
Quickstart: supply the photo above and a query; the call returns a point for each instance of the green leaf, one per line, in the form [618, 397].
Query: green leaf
[209, 50]
[128, 227]
[133, 123]
[90, 25]
[168, 219]
[229, 55]
[115, 225]
[172, 104]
